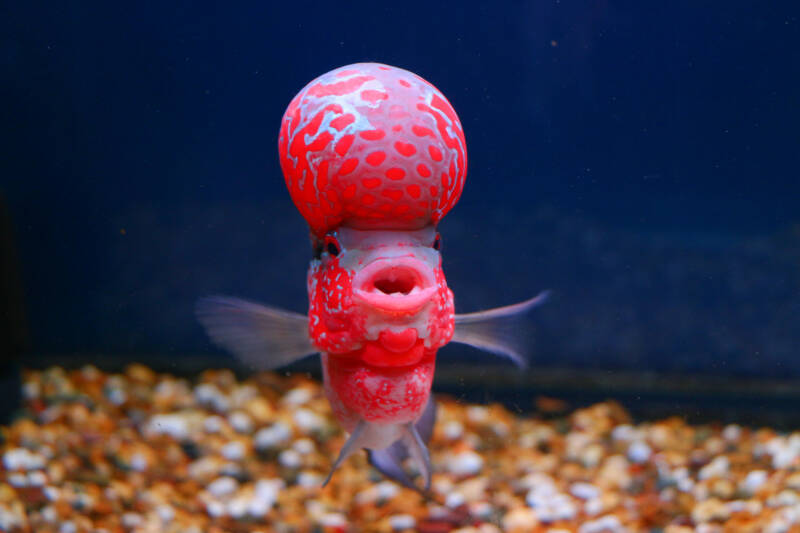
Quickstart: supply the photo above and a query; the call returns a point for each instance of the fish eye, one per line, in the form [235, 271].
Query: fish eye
[332, 246]
[437, 242]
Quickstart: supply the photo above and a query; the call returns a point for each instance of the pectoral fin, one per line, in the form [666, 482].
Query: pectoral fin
[354, 442]
[499, 330]
[263, 337]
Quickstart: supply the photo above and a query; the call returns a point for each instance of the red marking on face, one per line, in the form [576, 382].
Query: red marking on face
[414, 191]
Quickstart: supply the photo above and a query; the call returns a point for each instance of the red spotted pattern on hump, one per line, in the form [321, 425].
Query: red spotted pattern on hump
[372, 147]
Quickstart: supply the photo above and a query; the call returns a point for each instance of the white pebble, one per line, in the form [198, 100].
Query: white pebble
[174, 425]
[68, 527]
[273, 436]
[241, 422]
[242, 394]
[22, 459]
[308, 421]
[49, 514]
[454, 499]
[223, 486]
[732, 432]
[593, 507]
[520, 519]
[584, 491]
[718, 467]
[213, 424]
[605, 524]
[238, 506]
[538, 481]
[385, 490]
[501, 429]
[453, 430]
[551, 507]
[480, 509]
[233, 451]
[139, 462]
[334, 520]
[477, 414]
[165, 512]
[37, 478]
[400, 522]
[625, 433]
[290, 459]
[309, 479]
[116, 396]
[753, 481]
[131, 520]
[258, 508]
[784, 498]
[267, 489]
[52, 493]
[31, 390]
[208, 394]
[753, 507]
[215, 508]
[465, 463]
[17, 479]
[303, 446]
[297, 396]
[639, 452]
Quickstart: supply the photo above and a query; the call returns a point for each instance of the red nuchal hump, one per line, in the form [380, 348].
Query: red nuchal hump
[372, 147]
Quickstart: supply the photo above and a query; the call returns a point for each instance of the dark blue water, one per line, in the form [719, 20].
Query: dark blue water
[639, 159]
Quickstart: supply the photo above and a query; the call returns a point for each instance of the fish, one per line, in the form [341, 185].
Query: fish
[373, 156]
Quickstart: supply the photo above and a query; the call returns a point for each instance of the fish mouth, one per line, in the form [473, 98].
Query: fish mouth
[397, 285]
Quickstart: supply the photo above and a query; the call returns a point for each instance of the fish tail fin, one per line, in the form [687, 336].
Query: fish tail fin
[415, 437]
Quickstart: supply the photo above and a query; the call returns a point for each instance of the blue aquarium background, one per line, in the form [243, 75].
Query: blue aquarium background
[639, 159]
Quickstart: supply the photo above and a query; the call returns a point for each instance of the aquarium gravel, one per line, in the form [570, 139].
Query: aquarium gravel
[140, 451]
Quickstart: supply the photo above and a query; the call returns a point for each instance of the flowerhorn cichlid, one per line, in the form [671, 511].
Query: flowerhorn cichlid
[373, 156]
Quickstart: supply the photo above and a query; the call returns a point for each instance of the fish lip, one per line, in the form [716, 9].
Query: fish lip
[410, 271]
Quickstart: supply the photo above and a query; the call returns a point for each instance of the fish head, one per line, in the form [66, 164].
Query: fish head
[379, 296]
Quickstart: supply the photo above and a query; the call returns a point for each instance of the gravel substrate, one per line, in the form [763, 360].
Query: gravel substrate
[147, 452]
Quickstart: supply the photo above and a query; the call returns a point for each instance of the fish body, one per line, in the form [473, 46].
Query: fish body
[373, 157]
